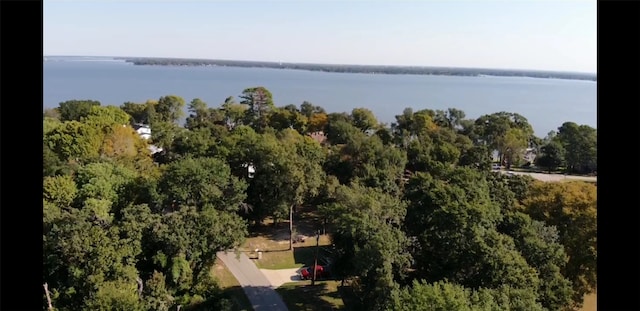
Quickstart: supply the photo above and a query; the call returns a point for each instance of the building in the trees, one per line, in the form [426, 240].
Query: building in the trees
[143, 130]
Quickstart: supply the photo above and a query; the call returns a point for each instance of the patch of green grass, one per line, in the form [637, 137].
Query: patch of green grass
[231, 288]
[302, 296]
[276, 254]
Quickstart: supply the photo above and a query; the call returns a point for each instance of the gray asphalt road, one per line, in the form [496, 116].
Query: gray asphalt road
[255, 285]
[552, 177]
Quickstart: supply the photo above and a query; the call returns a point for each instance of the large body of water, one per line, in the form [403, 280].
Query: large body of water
[546, 103]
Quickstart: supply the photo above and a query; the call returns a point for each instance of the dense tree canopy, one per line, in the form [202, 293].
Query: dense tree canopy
[417, 218]
[572, 208]
[74, 110]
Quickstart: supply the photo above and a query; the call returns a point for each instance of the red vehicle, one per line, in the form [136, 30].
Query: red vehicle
[306, 273]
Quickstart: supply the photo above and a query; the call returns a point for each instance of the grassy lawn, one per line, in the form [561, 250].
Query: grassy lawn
[276, 255]
[231, 288]
[273, 241]
[304, 297]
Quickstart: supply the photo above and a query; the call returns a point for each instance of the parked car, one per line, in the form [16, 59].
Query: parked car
[306, 273]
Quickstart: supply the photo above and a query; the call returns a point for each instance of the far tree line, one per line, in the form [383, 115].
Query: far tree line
[570, 149]
[416, 216]
[415, 70]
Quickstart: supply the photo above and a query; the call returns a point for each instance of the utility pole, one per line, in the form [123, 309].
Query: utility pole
[315, 262]
[291, 227]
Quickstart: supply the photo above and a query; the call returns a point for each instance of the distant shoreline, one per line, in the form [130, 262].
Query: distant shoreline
[368, 69]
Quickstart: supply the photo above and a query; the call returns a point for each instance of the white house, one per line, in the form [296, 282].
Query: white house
[530, 155]
[143, 130]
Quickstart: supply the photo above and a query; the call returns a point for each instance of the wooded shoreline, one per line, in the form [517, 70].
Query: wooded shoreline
[370, 69]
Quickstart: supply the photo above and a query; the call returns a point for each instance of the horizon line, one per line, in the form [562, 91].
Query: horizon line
[330, 64]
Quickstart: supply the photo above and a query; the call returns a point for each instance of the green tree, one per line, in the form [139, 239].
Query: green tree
[75, 141]
[202, 181]
[81, 255]
[168, 109]
[105, 181]
[369, 242]
[439, 296]
[122, 142]
[259, 102]
[139, 112]
[203, 117]
[367, 160]
[451, 217]
[136, 223]
[317, 122]
[580, 143]
[508, 133]
[304, 174]
[164, 133]
[402, 129]
[74, 110]
[52, 165]
[196, 143]
[115, 296]
[539, 244]
[308, 109]
[443, 295]
[233, 112]
[341, 132]
[49, 124]
[451, 118]
[363, 119]
[159, 298]
[60, 190]
[552, 156]
[512, 145]
[476, 156]
[105, 116]
[572, 208]
[189, 240]
[282, 118]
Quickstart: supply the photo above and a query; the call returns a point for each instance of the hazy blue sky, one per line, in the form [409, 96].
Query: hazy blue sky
[542, 35]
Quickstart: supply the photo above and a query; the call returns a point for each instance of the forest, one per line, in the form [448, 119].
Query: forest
[412, 70]
[417, 217]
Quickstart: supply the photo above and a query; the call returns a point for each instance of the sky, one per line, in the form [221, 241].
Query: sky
[555, 35]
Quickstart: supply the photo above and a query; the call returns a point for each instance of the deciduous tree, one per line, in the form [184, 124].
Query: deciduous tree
[168, 109]
[74, 140]
[202, 181]
[572, 208]
[74, 110]
[552, 156]
[363, 119]
[369, 242]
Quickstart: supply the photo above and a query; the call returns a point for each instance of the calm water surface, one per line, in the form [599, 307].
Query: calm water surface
[546, 103]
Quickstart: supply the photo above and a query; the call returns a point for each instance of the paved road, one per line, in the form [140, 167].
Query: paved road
[254, 283]
[552, 177]
[281, 276]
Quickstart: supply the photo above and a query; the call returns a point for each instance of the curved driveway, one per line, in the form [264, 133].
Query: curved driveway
[254, 283]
